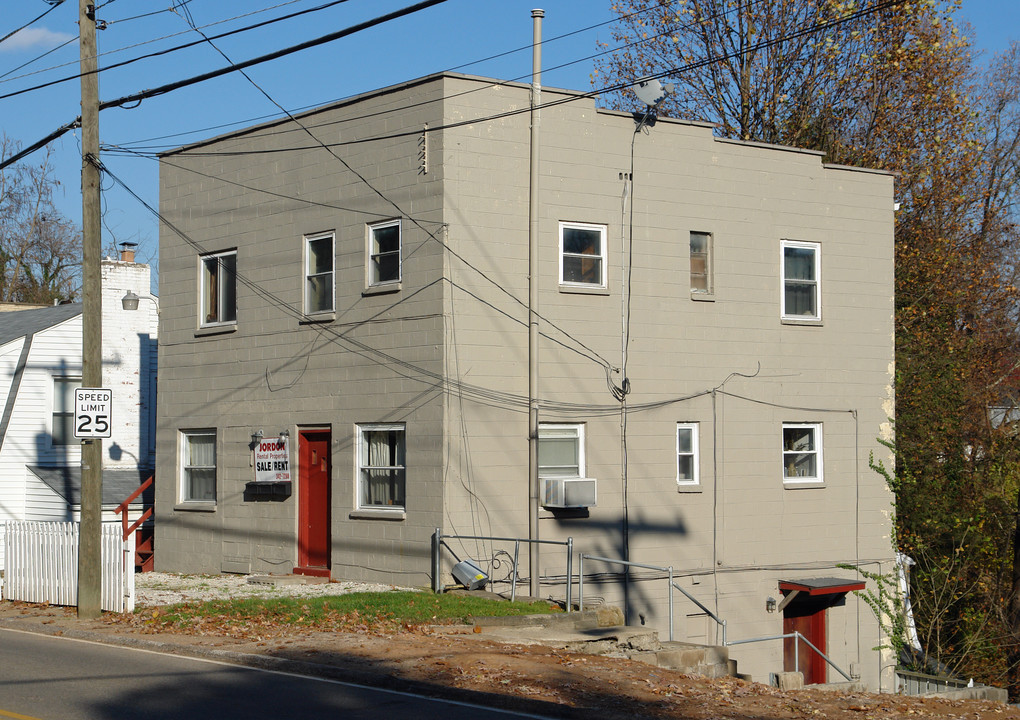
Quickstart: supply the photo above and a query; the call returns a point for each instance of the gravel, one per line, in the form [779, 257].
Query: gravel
[156, 588]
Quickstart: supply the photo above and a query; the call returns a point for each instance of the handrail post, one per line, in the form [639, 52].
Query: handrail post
[580, 582]
[670, 595]
[796, 650]
[724, 633]
[513, 573]
[437, 538]
[570, 572]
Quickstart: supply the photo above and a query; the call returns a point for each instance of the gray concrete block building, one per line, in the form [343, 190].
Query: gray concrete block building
[353, 292]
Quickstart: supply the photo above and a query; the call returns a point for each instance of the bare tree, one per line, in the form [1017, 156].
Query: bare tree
[40, 249]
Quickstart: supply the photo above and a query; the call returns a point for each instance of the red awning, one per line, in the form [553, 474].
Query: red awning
[821, 586]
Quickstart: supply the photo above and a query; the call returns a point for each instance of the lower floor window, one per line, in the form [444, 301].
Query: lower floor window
[560, 450]
[802, 453]
[198, 466]
[381, 466]
[687, 454]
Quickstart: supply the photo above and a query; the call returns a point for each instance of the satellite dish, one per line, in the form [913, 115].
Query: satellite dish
[651, 92]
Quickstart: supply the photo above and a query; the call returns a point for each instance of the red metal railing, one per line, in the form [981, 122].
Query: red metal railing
[145, 563]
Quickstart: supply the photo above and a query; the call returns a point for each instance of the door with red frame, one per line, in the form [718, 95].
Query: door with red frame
[806, 615]
[314, 500]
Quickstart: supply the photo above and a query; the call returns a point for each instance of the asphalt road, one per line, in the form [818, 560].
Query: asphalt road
[53, 678]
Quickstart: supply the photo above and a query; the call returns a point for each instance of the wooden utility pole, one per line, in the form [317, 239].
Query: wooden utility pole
[89, 548]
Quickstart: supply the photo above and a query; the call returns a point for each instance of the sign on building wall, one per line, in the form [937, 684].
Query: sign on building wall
[272, 460]
[93, 413]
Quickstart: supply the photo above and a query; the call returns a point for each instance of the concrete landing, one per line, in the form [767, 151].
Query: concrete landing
[283, 580]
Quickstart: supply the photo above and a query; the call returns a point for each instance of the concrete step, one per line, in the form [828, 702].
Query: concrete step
[705, 660]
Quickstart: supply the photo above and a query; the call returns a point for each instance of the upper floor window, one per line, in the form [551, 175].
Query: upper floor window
[701, 263]
[687, 460]
[218, 291]
[561, 450]
[582, 255]
[384, 253]
[62, 428]
[801, 268]
[198, 466]
[382, 466]
[802, 453]
[319, 285]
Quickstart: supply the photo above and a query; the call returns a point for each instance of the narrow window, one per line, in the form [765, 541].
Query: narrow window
[381, 466]
[687, 461]
[701, 263]
[802, 453]
[801, 266]
[319, 286]
[582, 255]
[63, 410]
[218, 291]
[561, 451]
[198, 466]
[384, 253]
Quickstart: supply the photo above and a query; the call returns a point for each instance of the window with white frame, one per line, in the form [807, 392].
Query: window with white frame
[701, 263]
[382, 466]
[384, 253]
[561, 450]
[198, 466]
[687, 455]
[62, 427]
[319, 285]
[582, 255]
[218, 288]
[801, 270]
[802, 453]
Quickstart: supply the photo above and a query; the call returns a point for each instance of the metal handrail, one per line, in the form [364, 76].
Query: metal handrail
[719, 622]
[668, 570]
[123, 509]
[796, 649]
[438, 540]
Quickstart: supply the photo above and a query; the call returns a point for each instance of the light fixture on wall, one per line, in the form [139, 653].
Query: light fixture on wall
[256, 437]
[131, 298]
[285, 434]
[770, 604]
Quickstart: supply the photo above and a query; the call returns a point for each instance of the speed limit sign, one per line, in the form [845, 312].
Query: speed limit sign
[93, 412]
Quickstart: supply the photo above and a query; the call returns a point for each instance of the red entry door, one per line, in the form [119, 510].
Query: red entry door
[313, 503]
[808, 618]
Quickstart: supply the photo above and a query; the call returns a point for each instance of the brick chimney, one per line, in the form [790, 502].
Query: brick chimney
[127, 251]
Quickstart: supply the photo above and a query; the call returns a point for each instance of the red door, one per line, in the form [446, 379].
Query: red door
[808, 618]
[313, 503]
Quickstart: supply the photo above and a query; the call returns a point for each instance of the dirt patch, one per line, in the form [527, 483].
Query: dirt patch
[456, 662]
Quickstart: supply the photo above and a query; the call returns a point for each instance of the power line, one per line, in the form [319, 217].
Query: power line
[185, 46]
[53, 6]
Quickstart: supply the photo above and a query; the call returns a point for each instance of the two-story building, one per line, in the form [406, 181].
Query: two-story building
[715, 358]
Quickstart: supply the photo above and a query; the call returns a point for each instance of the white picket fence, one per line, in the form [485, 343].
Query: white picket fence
[41, 565]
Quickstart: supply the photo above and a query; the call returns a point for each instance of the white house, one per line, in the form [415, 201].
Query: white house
[40, 366]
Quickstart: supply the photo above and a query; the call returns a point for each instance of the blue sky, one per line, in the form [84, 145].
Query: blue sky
[458, 34]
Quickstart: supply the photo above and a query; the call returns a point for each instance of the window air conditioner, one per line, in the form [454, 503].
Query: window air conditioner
[568, 492]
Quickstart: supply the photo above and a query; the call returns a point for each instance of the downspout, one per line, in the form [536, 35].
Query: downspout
[533, 479]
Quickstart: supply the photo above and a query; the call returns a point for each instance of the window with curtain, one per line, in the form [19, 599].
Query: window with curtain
[198, 466]
[62, 427]
[582, 254]
[381, 466]
[687, 471]
[560, 450]
[802, 453]
[384, 253]
[319, 285]
[801, 267]
[218, 291]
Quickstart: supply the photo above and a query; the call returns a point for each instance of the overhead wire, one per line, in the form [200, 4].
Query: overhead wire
[53, 6]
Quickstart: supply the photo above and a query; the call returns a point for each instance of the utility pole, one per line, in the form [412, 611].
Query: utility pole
[89, 542]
